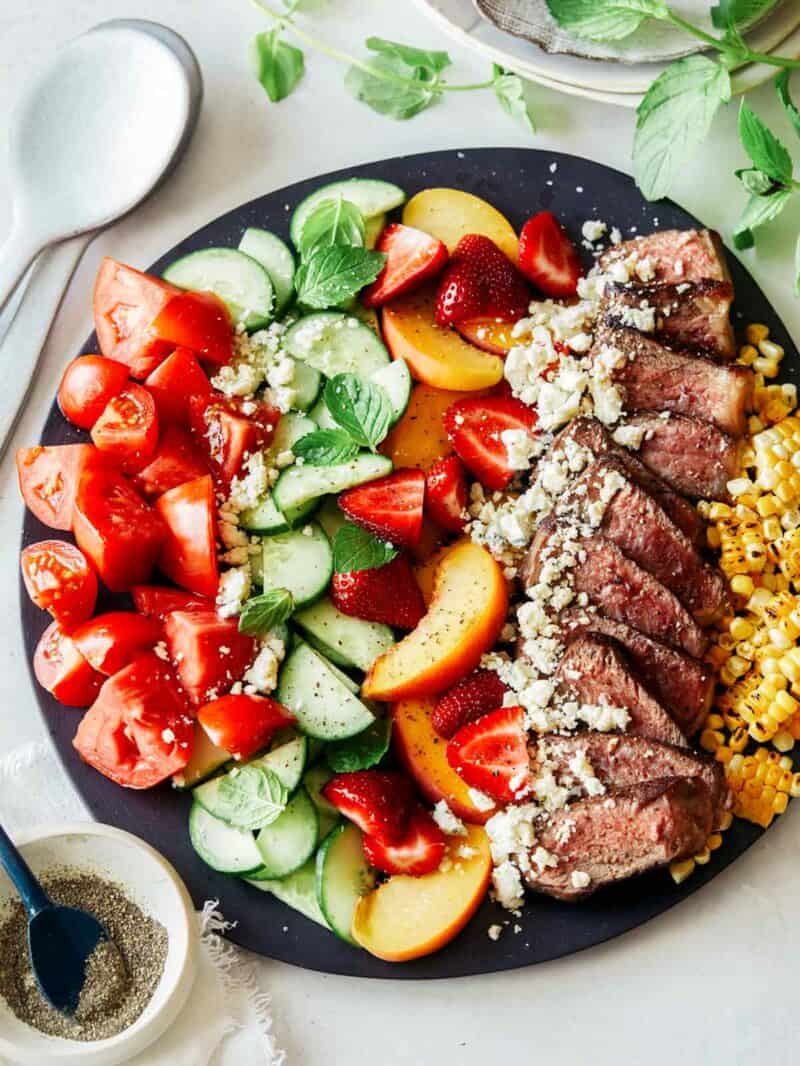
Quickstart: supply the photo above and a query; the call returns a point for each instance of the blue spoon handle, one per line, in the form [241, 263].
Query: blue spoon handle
[30, 891]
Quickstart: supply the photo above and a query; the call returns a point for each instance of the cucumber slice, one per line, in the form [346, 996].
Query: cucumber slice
[336, 343]
[345, 679]
[238, 280]
[343, 877]
[276, 258]
[322, 705]
[298, 561]
[344, 640]
[298, 891]
[289, 841]
[307, 385]
[265, 518]
[299, 484]
[313, 782]
[220, 846]
[287, 761]
[205, 760]
[371, 196]
[373, 228]
[395, 380]
[322, 416]
[331, 517]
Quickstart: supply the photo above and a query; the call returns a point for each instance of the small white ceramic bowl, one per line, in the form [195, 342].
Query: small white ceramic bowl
[148, 880]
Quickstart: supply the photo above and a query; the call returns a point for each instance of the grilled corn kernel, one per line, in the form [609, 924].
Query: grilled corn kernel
[756, 332]
[681, 870]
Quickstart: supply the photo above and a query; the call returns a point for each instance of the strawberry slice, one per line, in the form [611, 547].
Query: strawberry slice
[419, 852]
[479, 692]
[411, 258]
[388, 594]
[390, 507]
[380, 802]
[446, 494]
[475, 426]
[548, 257]
[480, 282]
[491, 754]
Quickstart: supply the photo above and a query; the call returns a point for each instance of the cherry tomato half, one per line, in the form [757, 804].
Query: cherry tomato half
[111, 641]
[59, 580]
[62, 670]
[89, 382]
[48, 480]
[127, 429]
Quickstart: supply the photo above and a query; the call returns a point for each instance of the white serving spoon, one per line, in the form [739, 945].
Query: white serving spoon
[91, 138]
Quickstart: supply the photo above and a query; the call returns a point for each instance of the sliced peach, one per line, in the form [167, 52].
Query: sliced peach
[435, 354]
[464, 618]
[423, 753]
[451, 214]
[489, 334]
[408, 917]
[419, 438]
[425, 572]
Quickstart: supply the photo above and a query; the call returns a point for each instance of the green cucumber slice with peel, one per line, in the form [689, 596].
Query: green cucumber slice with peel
[220, 846]
[323, 706]
[344, 640]
[298, 891]
[371, 196]
[314, 781]
[343, 877]
[300, 560]
[298, 485]
[276, 258]
[241, 282]
[288, 842]
[336, 343]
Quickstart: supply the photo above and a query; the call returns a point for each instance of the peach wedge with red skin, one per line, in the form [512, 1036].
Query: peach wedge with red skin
[450, 214]
[464, 618]
[408, 917]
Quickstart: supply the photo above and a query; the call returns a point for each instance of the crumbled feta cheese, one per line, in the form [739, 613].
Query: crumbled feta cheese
[520, 446]
[447, 821]
[263, 674]
[580, 879]
[494, 931]
[481, 800]
[232, 591]
[593, 230]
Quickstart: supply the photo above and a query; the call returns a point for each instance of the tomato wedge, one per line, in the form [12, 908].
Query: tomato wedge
[172, 383]
[48, 480]
[111, 641]
[157, 601]
[177, 460]
[116, 529]
[209, 652]
[61, 669]
[189, 552]
[89, 382]
[126, 302]
[243, 725]
[229, 430]
[138, 731]
[200, 321]
[127, 429]
[59, 580]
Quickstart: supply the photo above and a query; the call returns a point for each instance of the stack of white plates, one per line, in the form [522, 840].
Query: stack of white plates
[522, 36]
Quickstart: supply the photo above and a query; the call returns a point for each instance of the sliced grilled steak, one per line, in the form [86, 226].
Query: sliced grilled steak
[591, 434]
[681, 684]
[693, 315]
[677, 255]
[594, 670]
[656, 378]
[630, 830]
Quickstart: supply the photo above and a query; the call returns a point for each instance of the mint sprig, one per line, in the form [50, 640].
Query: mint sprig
[333, 221]
[360, 408]
[250, 798]
[333, 274]
[326, 447]
[264, 612]
[355, 548]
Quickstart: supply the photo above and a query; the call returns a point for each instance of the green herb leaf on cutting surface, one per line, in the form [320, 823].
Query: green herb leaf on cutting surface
[763, 147]
[360, 408]
[326, 447]
[728, 13]
[759, 210]
[362, 751]
[510, 91]
[791, 109]
[392, 88]
[264, 612]
[250, 797]
[332, 275]
[416, 58]
[755, 181]
[356, 549]
[277, 65]
[333, 221]
[605, 20]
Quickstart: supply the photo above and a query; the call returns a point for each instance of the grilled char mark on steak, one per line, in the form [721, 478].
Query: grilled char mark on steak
[681, 684]
[655, 378]
[625, 832]
[693, 315]
[590, 434]
[594, 670]
[677, 255]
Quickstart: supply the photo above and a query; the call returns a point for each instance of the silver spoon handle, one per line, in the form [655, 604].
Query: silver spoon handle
[22, 877]
[22, 246]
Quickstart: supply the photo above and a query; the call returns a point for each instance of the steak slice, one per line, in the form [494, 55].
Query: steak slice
[594, 671]
[628, 831]
[677, 255]
[656, 378]
[681, 684]
[693, 315]
[693, 457]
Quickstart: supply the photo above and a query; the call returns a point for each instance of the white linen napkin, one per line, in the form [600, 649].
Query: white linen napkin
[227, 1020]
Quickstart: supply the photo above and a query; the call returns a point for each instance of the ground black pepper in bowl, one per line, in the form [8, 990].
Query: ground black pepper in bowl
[121, 975]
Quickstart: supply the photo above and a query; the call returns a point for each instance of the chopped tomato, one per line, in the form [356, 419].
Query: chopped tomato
[127, 430]
[189, 552]
[113, 640]
[172, 383]
[230, 430]
[89, 382]
[48, 480]
[243, 725]
[157, 601]
[62, 670]
[118, 531]
[209, 652]
[59, 580]
[200, 321]
[138, 731]
[126, 302]
[177, 460]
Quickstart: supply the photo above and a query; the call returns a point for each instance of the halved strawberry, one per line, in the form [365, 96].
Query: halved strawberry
[479, 692]
[390, 507]
[388, 594]
[446, 494]
[380, 802]
[548, 257]
[419, 852]
[480, 282]
[411, 258]
[475, 426]
[491, 754]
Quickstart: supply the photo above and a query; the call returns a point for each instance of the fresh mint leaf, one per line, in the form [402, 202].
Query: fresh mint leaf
[759, 210]
[510, 91]
[605, 20]
[356, 549]
[277, 65]
[250, 797]
[415, 58]
[727, 13]
[393, 88]
[333, 221]
[326, 447]
[264, 612]
[792, 112]
[763, 147]
[755, 181]
[362, 751]
[332, 275]
[674, 118]
[360, 408]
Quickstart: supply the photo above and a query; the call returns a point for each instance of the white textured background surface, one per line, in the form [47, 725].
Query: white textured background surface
[715, 980]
